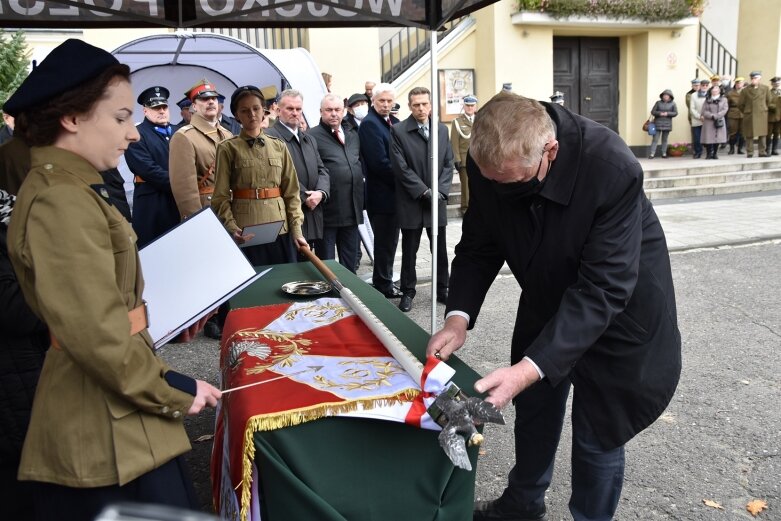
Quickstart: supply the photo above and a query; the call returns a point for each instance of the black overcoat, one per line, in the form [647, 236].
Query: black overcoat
[411, 161]
[597, 302]
[374, 133]
[345, 202]
[312, 175]
[154, 206]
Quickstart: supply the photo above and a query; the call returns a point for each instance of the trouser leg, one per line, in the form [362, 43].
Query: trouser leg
[386, 239]
[597, 473]
[348, 244]
[539, 416]
[442, 262]
[654, 142]
[762, 147]
[464, 187]
[665, 135]
[410, 242]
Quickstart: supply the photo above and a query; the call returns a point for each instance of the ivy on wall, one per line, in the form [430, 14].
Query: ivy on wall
[646, 10]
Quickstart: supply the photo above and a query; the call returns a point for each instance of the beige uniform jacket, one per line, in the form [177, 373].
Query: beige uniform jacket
[459, 141]
[266, 164]
[753, 104]
[192, 150]
[774, 109]
[103, 413]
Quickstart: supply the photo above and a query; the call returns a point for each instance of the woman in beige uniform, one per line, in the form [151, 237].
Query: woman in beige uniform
[106, 424]
[256, 183]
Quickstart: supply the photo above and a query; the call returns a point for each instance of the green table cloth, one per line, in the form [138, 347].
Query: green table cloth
[339, 469]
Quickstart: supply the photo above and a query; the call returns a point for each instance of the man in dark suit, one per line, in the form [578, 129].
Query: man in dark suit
[312, 174]
[154, 206]
[411, 160]
[226, 121]
[340, 151]
[184, 105]
[563, 204]
[374, 134]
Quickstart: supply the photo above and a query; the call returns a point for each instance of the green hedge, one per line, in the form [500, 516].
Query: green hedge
[646, 10]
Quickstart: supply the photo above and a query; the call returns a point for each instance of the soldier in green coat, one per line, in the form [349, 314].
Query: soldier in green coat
[735, 117]
[774, 116]
[460, 134]
[754, 102]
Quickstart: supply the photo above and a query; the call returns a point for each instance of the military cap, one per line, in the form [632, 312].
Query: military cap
[153, 97]
[557, 96]
[395, 108]
[507, 86]
[775, 79]
[183, 103]
[470, 99]
[715, 77]
[705, 81]
[696, 81]
[270, 93]
[220, 98]
[357, 98]
[202, 89]
[754, 74]
[69, 65]
[740, 78]
[240, 90]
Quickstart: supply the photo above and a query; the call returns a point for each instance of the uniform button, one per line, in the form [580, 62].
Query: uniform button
[166, 409]
[48, 166]
[176, 414]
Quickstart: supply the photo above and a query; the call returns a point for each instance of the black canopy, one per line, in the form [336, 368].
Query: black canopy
[233, 13]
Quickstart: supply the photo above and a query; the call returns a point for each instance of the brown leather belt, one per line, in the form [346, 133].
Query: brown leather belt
[206, 190]
[139, 320]
[255, 193]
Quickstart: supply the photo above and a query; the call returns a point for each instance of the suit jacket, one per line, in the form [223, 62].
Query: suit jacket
[230, 124]
[104, 412]
[597, 304]
[754, 104]
[345, 201]
[312, 175]
[411, 161]
[193, 150]
[374, 134]
[154, 206]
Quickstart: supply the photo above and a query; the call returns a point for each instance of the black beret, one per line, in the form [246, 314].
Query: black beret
[245, 88]
[184, 103]
[357, 98]
[70, 64]
[153, 97]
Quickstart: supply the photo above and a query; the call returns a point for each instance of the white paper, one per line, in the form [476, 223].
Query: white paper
[189, 271]
[264, 233]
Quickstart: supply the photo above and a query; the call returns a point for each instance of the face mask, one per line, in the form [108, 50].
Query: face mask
[361, 111]
[716, 96]
[518, 190]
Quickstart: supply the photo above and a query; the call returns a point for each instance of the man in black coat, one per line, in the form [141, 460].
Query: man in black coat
[563, 204]
[411, 160]
[374, 134]
[154, 206]
[312, 174]
[340, 151]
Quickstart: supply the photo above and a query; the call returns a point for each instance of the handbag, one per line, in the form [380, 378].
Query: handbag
[718, 123]
[645, 125]
[651, 128]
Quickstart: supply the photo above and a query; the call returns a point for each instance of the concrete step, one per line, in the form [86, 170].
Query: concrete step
[739, 187]
[710, 178]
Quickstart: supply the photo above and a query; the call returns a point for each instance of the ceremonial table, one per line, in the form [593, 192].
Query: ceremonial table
[338, 469]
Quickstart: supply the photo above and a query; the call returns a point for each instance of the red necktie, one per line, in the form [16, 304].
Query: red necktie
[338, 136]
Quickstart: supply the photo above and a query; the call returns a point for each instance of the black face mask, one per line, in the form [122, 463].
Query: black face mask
[518, 190]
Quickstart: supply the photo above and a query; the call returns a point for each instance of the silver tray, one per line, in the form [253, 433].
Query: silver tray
[306, 287]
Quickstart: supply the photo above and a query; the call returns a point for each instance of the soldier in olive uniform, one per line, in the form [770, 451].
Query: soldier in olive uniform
[460, 134]
[735, 117]
[257, 183]
[754, 103]
[774, 116]
[193, 151]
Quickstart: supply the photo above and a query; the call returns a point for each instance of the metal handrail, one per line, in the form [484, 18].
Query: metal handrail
[263, 38]
[406, 47]
[715, 55]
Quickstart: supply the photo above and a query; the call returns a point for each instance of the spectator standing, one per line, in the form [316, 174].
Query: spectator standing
[754, 102]
[227, 122]
[560, 199]
[257, 183]
[714, 128]
[695, 116]
[340, 150]
[735, 117]
[154, 206]
[460, 134]
[185, 111]
[357, 108]
[368, 89]
[663, 112]
[313, 182]
[7, 129]
[774, 116]
[374, 136]
[411, 148]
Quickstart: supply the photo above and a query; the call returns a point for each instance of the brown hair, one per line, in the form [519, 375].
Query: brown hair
[40, 126]
[510, 127]
[417, 91]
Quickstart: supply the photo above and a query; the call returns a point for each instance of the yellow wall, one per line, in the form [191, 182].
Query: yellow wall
[350, 55]
[759, 23]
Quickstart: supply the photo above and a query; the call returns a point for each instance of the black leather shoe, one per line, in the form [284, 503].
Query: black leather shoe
[212, 330]
[393, 293]
[442, 297]
[406, 303]
[491, 511]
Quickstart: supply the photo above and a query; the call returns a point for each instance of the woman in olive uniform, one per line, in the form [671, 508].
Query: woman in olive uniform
[106, 424]
[256, 183]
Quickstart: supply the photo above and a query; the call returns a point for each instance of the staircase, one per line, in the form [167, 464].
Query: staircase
[714, 55]
[681, 178]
